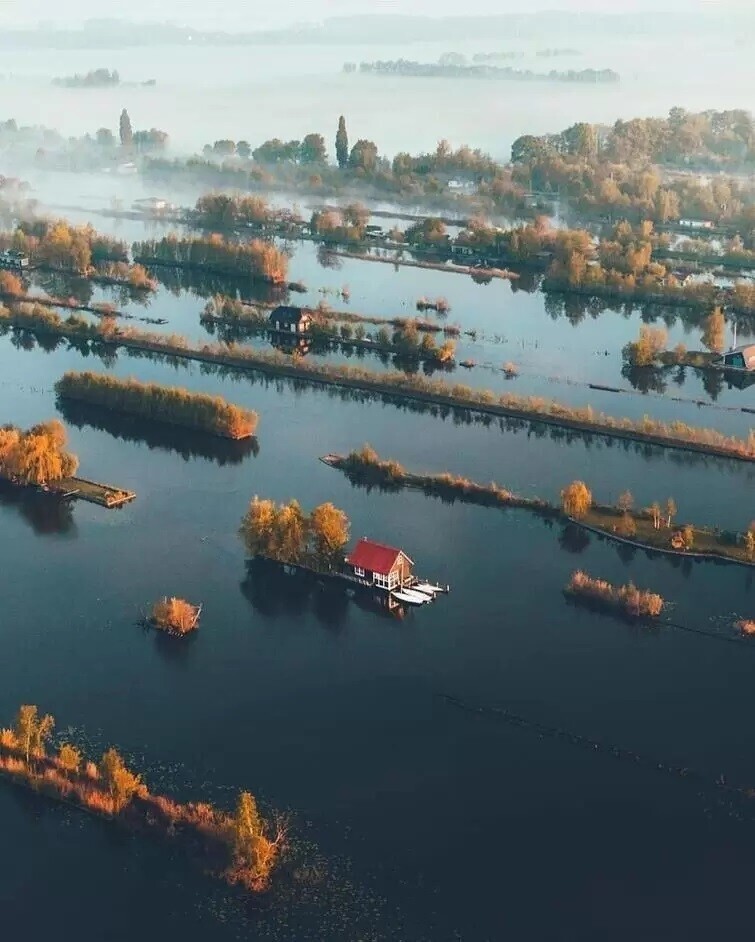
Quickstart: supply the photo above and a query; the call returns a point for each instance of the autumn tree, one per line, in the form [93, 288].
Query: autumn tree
[69, 758]
[342, 144]
[329, 533]
[37, 456]
[126, 132]
[364, 156]
[625, 502]
[655, 513]
[121, 783]
[749, 540]
[714, 334]
[576, 499]
[626, 526]
[32, 730]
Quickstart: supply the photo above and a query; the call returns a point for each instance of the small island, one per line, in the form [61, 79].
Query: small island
[444, 69]
[626, 600]
[167, 404]
[96, 78]
[241, 847]
[174, 616]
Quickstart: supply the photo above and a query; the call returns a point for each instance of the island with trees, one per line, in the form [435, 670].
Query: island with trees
[627, 600]
[446, 69]
[174, 616]
[38, 458]
[410, 387]
[651, 528]
[97, 78]
[167, 404]
[242, 847]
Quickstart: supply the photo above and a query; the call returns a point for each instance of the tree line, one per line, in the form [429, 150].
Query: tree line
[256, 259]
[287, 534]
[242, 847]
[167, 404]
[37, 456]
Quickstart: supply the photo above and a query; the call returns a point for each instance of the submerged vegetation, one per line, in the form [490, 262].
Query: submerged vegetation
[241, 847]
[37, 456]
[160, 403]
[627, 600]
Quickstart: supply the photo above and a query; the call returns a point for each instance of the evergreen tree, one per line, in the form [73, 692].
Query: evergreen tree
[342, 144]
[127, 134]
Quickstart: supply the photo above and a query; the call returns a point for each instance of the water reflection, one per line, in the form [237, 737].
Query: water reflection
[274, 594]
[184, 442]
[206, 285]
[46, 514]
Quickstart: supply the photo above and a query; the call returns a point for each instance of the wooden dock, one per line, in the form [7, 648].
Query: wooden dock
[105, 495]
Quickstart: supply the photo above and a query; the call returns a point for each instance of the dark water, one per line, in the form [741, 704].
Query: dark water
[420, 820]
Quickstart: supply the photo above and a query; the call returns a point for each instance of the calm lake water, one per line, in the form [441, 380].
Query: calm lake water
[424, 821]
[414, 819]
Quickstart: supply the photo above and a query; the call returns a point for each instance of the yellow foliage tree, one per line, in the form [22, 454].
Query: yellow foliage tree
[576, 499]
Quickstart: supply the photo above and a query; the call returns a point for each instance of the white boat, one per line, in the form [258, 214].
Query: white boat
[410, 596]
[426, 589]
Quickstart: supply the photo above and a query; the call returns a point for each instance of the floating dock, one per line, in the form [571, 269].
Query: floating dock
[105, 495]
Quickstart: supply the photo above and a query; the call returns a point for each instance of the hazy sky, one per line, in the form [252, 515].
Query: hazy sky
[247, 15]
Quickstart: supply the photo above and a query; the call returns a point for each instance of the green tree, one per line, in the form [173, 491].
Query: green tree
[329, 531]
[342, 144]
[126, 132]
[121, 783]
[364, 156]
[576, 499]
[313, 150]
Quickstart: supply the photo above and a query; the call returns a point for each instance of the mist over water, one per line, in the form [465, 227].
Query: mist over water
[497, 765]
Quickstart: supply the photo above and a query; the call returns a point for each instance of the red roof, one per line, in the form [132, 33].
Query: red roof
[375, 557]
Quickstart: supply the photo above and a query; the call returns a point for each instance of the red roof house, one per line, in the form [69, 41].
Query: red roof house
[380, 565]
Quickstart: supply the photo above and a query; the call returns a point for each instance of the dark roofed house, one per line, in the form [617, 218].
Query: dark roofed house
[741, 358]
[290, 320]
[380, 565]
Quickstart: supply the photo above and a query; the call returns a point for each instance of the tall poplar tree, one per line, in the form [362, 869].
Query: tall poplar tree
[127, 134]
[342, 144]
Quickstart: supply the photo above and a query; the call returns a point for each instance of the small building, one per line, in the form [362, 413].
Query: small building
[152, 204]
[457, 249]
[741, 358]
[383, 566]
[695, 224]
[290, 320]
[12, 259]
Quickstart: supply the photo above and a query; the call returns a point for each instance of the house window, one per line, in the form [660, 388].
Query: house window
[393, 580]
[381, 580]
[358, 571]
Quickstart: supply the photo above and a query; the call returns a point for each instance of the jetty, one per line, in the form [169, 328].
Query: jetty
[105, 495]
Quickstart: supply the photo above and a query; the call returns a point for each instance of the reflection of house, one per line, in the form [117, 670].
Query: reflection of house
[290, 320]
[379, 565]
[741, 358]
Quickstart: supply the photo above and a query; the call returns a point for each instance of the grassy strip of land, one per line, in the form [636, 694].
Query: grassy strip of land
[650, 528]
[452, 267]
[413, 387]
[159, 403]
[242, 848]
[94, 493]
[626, 600]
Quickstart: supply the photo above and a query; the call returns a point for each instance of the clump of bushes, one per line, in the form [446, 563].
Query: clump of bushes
[175, 616]
[161, 403]
[627, 599]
